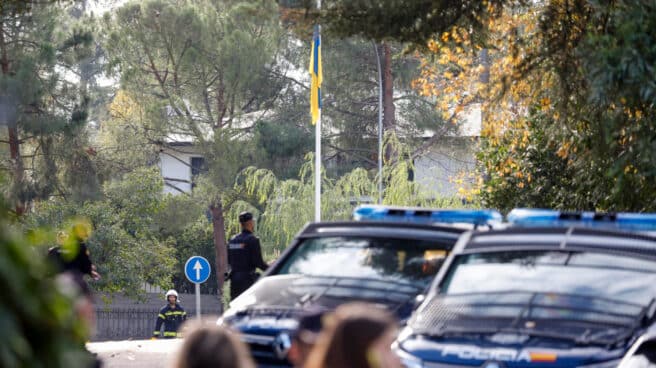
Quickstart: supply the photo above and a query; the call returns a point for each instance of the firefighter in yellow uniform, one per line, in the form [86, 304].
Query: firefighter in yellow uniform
[172, 315]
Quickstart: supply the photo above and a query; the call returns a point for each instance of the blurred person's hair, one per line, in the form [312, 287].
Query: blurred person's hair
[348, 336]
[213, 347]
[305, 336]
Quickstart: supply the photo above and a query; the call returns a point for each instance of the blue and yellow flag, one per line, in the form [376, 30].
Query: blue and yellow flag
[316, 75]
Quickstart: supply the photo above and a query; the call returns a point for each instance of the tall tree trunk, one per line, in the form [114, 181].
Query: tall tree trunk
[389, 110]
[17, 165]
[18, 171]
[220, 246]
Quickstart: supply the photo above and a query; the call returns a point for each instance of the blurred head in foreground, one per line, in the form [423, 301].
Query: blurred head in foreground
[356, 335]
[213, 347]
[305, 337]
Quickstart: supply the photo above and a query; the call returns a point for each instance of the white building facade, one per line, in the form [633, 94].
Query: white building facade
[179, 163]
[453, 157]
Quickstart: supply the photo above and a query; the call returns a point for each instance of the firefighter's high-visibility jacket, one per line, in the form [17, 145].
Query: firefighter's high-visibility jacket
[172, 318]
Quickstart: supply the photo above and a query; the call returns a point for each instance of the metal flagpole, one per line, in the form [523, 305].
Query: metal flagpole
[380, 126]
[317, 171]
[317, 156]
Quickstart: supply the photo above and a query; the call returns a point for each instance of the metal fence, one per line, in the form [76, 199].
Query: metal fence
[124, 324]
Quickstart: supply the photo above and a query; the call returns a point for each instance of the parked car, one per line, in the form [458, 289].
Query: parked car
[643, 353]
[387, 263]
[551, 290]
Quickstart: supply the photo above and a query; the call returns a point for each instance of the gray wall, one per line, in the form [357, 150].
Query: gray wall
[437, 169]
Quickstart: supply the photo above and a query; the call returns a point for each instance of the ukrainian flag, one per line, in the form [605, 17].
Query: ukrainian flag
[316, 75]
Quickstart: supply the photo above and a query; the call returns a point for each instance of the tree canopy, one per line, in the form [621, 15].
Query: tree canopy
[43, 104]
[415, 22]
[564, 91]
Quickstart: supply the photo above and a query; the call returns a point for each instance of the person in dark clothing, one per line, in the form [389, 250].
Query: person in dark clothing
[70, 261]
[244, 256]
[172, 315]
[78, 260]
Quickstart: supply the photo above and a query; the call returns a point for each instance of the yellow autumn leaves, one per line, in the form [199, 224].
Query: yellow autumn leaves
[454, 76]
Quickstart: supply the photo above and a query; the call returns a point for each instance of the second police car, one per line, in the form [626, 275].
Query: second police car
[388, 258]
[551, 290]
[643, 352]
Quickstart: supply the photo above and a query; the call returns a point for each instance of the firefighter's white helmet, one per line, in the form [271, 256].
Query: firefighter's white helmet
[171, 292]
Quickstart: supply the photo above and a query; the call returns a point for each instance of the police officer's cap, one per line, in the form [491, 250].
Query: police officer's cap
[245, 216]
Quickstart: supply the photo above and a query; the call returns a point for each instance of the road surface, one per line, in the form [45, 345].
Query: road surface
[136, 353]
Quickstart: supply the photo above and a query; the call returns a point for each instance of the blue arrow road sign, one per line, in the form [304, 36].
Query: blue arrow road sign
[197, 269]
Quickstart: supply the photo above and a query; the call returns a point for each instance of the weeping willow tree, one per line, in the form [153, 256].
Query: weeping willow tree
[284, 206]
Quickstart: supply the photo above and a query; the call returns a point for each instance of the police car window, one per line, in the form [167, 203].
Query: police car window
[611, 261]
[402, 259]
[581, 273]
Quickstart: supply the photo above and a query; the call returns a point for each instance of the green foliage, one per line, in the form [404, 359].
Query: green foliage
[24, 6]
[126, 244]
[282, 207]
[193, 240]
[202, 61]
[622, 74]
[350, 106]
[129, 137]
[548, 182]
[42, 47]
[137, 198]
[37, 316]
[623, 66]
[414, 21]
[591, 132]
[204, 71]
[200, 71]
[278, 146]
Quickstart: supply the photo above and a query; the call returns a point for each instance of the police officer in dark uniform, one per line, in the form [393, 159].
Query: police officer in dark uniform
[244, 256]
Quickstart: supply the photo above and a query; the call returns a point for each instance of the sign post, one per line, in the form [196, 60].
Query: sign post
[197, 269]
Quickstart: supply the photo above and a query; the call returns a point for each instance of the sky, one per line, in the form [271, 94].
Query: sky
[99, 7]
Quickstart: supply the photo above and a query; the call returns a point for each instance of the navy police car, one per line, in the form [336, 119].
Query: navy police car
[643, 352]
[388, 257]
[551, 290]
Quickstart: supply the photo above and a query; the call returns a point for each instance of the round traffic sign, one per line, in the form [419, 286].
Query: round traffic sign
[197, 269]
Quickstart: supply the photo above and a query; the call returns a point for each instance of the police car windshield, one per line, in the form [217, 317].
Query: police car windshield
[406, 260]
[577, 273]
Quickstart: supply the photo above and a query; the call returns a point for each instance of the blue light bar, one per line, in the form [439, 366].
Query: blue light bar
[622, 220]
[426, 215]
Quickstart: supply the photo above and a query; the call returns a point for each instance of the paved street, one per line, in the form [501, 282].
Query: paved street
[136, 353]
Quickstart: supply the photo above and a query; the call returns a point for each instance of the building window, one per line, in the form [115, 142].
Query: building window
[198, 167]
